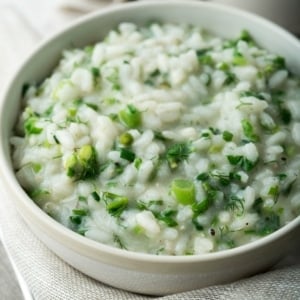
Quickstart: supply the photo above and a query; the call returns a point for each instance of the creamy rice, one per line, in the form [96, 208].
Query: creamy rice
[164, 139]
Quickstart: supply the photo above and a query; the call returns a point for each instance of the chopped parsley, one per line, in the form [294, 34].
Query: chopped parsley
[127, 154]
[249, 131]
[167, 216]
[95, 196]
[77, 216]
[227, 136]
[235, 204]
[268, 223]
[203, 57]
[243, 162]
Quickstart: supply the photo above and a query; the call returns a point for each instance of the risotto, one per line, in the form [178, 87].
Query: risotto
[164, 139]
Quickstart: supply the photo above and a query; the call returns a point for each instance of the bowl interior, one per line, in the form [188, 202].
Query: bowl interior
[218, 19]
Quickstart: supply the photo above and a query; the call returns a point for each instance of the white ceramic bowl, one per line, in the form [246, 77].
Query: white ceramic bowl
[137, 272]
[284, 13]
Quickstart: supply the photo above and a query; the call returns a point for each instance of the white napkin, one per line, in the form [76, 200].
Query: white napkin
[47, 276]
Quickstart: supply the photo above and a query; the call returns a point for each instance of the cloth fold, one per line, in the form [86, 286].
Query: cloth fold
[48, 277]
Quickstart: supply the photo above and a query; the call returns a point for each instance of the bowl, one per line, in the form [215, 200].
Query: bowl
[283, 13]
[137, 272]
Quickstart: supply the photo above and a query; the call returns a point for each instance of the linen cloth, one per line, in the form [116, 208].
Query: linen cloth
[46, 275]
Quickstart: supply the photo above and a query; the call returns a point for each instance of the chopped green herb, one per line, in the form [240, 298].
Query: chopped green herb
[149, 204]
[267, 224]
[205, 135]
[96, 72]
[56, 139]
[247, 165]
[285, 115]
[197, 224]
[203, 57]
[234, 176]
[214, 131]
[76, 219]
[274, 191]
[203, 176]
[223, 179]
[225, 237]
[159, 136]
[281, 176]
[286, 191]
[77, 215]
[115, 204]
[93, 106]
[127, 154]
[249, 131]
[48, 111]
[167, 216]
[37, 193]
[177, 153]
[245, 36]
[77, 102]
[202, 206]
[155, 73]
[230, 78]
[252, 94]
[227, 136]
[235, 203]
[243, 162]
[278, 63]
[96, 196]
[80, 212]
[258, 205]
[25, 88]
[234, 159]
[119, 242]
[82, 198]
[211, 191]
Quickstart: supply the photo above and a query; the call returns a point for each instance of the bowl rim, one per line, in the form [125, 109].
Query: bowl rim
[93, 248]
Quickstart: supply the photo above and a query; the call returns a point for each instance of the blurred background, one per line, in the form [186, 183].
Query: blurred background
[24, 23]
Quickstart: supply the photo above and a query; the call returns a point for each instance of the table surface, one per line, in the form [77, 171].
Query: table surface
[22, 25]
